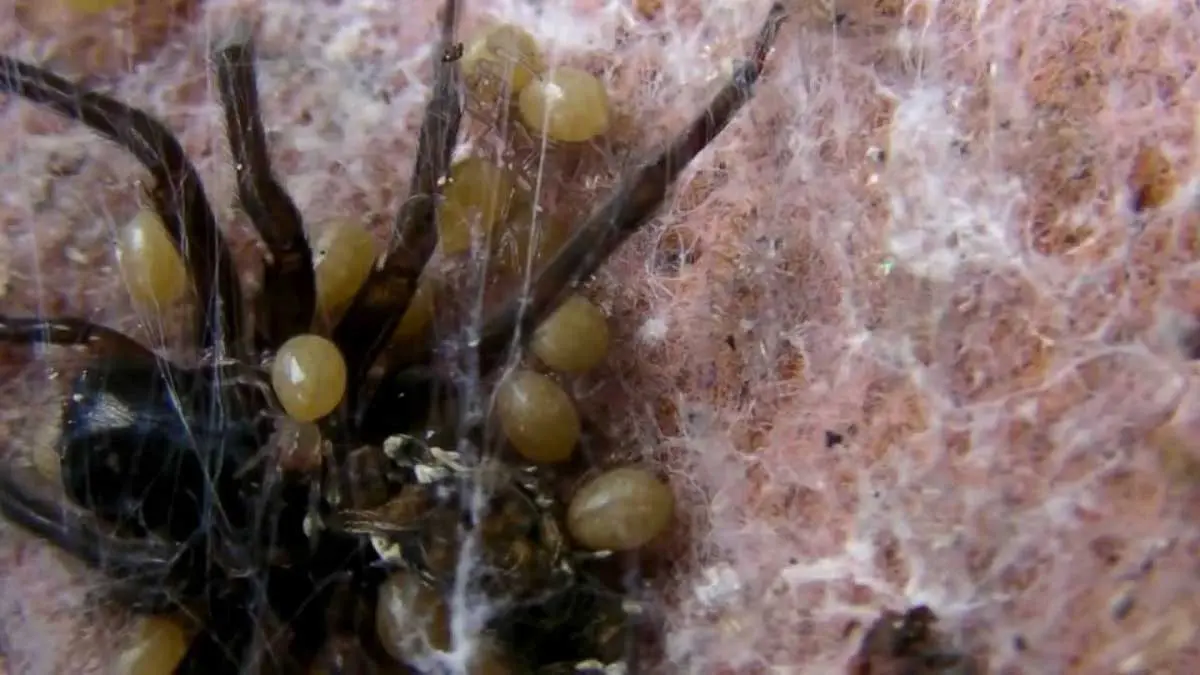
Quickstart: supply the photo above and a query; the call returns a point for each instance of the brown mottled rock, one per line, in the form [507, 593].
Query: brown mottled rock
[88, 38]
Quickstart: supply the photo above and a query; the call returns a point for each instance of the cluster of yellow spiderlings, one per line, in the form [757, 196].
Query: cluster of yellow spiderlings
[620, 509]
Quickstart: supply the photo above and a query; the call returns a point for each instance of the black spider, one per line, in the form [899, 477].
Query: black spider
[162, 462]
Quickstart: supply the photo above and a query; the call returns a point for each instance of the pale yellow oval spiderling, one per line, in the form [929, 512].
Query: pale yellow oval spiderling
[574, 339]
[344, 254]
[538, 417]
[568, 105]
[620, 510]
[419, 314]
[156, 646]
[309, 377]
[476, 196]
[512, 243]
[503, 59]
[151, 267]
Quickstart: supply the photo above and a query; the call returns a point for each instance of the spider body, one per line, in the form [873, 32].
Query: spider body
[522, 551]
[145, 443]
[175, 474]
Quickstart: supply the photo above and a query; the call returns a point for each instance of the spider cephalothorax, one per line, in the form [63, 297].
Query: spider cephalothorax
[286, 488]
[413, 521]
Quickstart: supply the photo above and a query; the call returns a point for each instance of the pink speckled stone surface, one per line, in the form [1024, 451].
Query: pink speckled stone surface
[918, 237]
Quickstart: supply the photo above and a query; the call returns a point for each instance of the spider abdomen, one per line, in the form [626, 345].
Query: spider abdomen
[152, 447]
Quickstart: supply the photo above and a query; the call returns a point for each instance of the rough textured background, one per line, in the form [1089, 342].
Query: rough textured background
[916, 330]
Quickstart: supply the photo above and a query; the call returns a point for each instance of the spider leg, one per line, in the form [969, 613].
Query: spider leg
[634, 202]
[289, 284]
[178, 195]
[632, 205]
[146, 570]
[97, 339]
[368, 324]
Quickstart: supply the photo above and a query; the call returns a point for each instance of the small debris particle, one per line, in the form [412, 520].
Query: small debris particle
[1152, 180]
[908, 643]
[1121, 604]
[833, 439]
[1178, 455]
[675, 251]
[1189, 342]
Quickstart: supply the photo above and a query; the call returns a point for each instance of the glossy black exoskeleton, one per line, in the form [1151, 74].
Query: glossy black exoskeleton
[153, 447]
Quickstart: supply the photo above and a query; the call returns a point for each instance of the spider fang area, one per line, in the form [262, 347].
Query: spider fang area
[309, 377]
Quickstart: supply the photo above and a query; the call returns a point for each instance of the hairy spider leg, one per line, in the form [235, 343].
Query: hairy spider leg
[177, 194]
[123, 367]
[142, 567]
[99, 341]
[377, 308]
[289, 283]
[145, 570]
[633, 203]
[154, 574]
